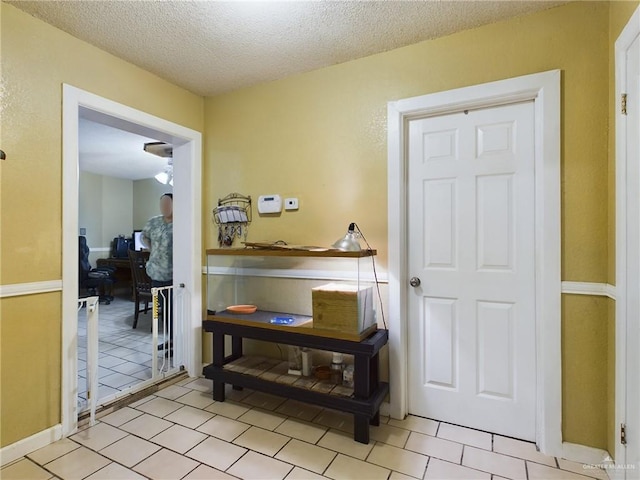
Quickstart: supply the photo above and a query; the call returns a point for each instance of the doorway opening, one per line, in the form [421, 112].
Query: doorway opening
[117, 194]
[187, 249]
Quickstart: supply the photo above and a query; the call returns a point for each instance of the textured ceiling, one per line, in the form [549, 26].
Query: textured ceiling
[211, 47]
[112, 152]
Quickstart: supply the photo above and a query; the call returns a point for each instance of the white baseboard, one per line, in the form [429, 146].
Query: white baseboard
[615, 473]
[30, 444]
[584, 454]
[595, 458]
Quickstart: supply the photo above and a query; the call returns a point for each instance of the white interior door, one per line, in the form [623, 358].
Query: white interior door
[471, 328]
[632, 268]
[633, 322]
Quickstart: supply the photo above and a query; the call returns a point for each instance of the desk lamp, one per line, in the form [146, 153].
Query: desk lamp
[349, 243]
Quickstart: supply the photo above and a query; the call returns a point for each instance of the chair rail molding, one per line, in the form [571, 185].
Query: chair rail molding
[302, 274]
[30, 288]
[589, 288]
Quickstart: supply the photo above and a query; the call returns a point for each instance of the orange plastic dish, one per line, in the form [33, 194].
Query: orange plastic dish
[246, 309]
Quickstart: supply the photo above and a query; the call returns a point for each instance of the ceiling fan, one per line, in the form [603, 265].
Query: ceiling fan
[164, 150]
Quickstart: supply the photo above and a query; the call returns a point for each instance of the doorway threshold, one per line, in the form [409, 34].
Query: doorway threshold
[118, 403]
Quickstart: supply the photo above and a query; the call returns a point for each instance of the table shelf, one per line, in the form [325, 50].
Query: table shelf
[303, 324]
[263, 252]
[348, 404]
[268, 375]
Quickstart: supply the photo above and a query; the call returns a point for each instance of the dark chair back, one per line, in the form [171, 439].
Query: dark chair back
[141, 282]
[93, 281]
[138, 262]
[84, 267]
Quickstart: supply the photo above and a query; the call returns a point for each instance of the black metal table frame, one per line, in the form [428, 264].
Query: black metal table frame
[368, 394]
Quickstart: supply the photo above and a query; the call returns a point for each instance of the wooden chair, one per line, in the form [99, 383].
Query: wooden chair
[141, 282]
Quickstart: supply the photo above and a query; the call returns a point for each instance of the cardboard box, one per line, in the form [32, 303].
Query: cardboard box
[343, 307]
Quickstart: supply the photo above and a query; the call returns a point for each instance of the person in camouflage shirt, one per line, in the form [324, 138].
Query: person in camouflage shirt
[157, 235]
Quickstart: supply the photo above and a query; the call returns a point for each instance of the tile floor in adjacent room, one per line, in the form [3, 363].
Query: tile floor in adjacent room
[124, 352]
[180, 432]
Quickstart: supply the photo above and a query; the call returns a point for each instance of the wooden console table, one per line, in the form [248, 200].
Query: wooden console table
[363, 402]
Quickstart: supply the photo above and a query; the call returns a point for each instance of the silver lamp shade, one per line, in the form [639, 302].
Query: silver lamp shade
[348, 243]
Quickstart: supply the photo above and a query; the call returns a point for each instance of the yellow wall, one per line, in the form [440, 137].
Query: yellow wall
[584, 370]
[322, 135]
[30, 358]
[36, 60]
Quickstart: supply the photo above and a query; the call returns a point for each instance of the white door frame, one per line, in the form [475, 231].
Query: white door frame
[544, 90]
[623, 287]
[187, 163]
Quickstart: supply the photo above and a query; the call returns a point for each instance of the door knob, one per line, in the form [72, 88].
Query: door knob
[414, 282]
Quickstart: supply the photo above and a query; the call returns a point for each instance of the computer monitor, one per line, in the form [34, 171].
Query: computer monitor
[137, 241]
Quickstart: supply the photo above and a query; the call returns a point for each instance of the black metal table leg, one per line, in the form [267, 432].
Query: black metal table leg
[236, 346]
[236, 352]
[218, 361]
[361, 376]
[361, 428]
[362, 388]
[375, 420]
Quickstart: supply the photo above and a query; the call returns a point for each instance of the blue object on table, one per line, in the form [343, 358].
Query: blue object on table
[282, 320]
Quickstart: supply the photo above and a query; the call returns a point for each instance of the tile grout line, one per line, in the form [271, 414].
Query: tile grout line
[67, 453]
[161, 447]
[426, 467]
[194, 447]
[327, 429]
[375, 442]
[466, 466]
[238, 459]
[194, 468]
[131, 468]
[42, 466]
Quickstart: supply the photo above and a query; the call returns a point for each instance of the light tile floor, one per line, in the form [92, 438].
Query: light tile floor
[125, 353]
[180, 432]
